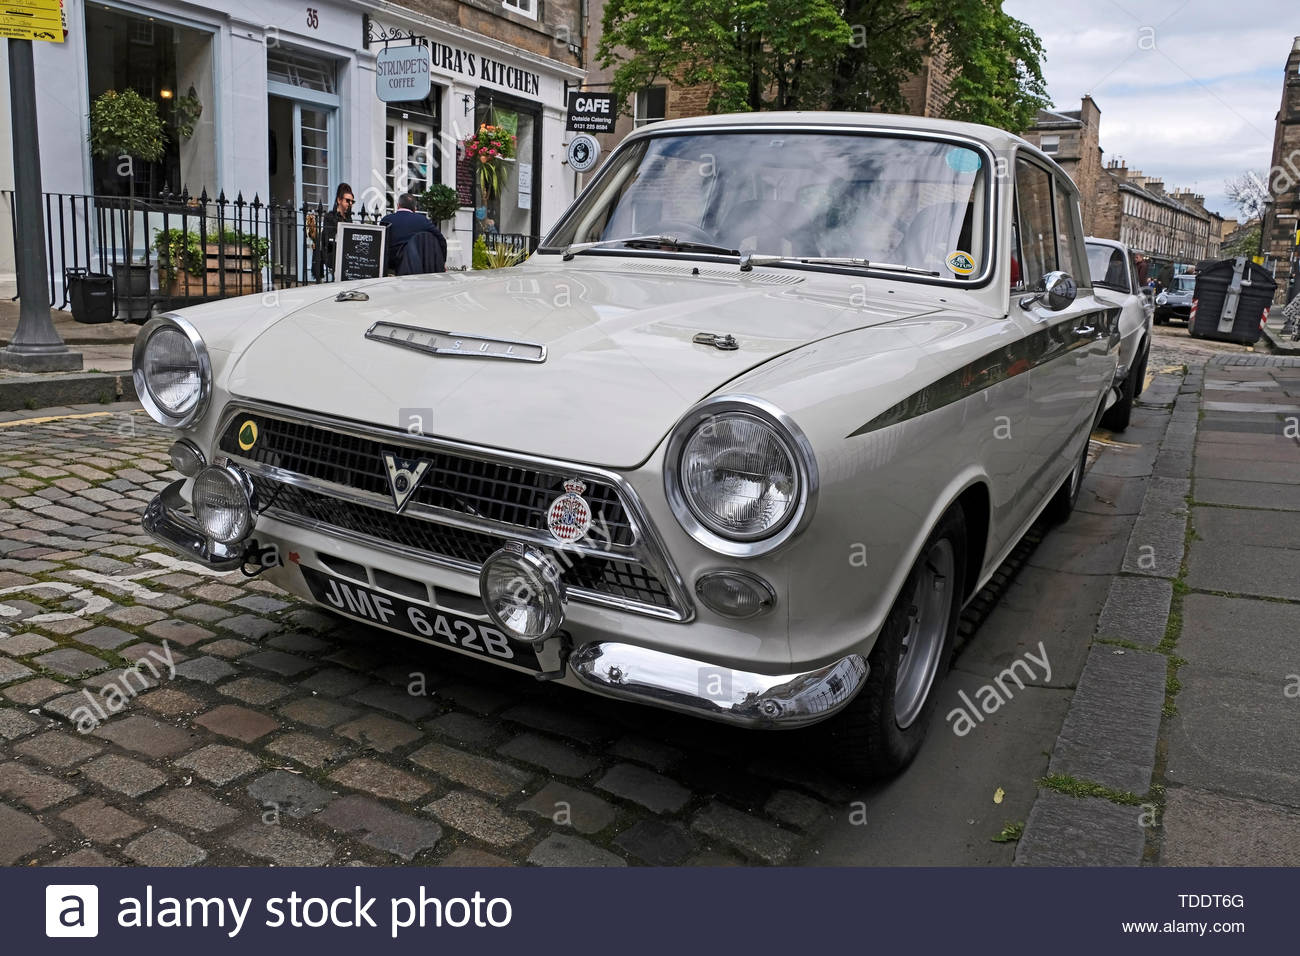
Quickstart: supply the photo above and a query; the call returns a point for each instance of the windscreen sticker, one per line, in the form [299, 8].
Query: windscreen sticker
[962, 263]
[962, 160]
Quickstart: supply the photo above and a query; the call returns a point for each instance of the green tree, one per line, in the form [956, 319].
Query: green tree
[997, 59]
[836, 54]
[1244, 243]
[752, 54]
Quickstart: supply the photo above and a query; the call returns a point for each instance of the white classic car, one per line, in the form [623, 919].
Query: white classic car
[766, 408]
[1115, 279]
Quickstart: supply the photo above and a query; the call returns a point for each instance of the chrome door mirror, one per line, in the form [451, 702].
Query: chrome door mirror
[1056, 290]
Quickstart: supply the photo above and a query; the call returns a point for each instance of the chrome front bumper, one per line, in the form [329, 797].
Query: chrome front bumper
[718, 693]
[610, 668]
[167, 520]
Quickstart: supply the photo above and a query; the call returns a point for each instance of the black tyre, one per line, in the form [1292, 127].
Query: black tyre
[882, 730]
[1062, 504]
[1117, 417]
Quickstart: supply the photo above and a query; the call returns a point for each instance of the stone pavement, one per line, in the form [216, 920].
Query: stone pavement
[1177, 749]
[105, 360]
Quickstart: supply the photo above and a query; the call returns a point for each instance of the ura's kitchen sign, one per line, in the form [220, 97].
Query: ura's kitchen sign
[450, 59]
[402, 73]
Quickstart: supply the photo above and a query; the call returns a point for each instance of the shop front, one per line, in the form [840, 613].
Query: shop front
[478, 82]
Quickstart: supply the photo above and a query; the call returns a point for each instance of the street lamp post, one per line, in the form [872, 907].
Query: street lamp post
[36, 346]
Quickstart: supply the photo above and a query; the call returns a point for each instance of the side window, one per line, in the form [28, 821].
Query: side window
[1067, 236]
[1034, 222]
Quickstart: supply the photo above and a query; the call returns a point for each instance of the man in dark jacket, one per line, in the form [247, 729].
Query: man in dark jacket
[404, 223]
[323, 260]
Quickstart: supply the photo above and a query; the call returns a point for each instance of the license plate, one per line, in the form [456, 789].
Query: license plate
[418, 620]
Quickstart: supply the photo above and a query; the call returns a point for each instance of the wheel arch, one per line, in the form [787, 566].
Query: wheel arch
[977, 509]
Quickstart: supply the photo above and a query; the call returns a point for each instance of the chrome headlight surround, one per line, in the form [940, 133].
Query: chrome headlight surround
[689, 515]
[159, 412]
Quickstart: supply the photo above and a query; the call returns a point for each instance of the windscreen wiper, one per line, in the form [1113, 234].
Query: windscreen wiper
[751, 259]
[574, 248]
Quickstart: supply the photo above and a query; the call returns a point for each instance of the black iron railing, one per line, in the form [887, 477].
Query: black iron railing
[203, 248]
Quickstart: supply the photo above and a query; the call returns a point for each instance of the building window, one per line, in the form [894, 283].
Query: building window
[1050, 144]
[301, 70]
[167, 64]
[651, 105]
[525, 8]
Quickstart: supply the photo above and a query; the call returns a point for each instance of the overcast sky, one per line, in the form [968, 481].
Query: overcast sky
[1188, 89]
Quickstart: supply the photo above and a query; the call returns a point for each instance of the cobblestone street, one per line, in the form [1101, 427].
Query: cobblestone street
[290, 737]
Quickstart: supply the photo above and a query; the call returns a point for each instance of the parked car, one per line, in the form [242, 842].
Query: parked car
[1115, 279]
[773, 400]
[1175, 302]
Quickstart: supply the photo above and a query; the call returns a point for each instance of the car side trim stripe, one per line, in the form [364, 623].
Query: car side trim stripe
[1045, 345]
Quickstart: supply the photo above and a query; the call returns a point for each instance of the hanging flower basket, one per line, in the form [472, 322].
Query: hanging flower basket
[484, 148]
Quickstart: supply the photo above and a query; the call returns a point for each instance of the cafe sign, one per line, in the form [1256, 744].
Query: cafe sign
[402, 74]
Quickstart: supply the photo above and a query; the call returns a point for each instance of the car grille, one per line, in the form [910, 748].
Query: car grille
[465, 508]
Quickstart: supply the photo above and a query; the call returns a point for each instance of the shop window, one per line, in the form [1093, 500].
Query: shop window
[512, 210]
[651, 105]
[170, 65]
[526, 8]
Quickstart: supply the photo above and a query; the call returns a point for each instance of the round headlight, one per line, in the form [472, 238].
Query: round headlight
[740, 475]
[223, 504]
[172, 373]
[522, 591]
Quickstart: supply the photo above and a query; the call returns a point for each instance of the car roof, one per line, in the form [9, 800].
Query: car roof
[1112, 243]
[997, 138]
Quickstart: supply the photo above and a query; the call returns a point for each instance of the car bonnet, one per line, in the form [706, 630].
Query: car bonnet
[622, 361]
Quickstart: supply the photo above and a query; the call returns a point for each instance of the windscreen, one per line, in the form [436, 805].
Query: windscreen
[909, 201]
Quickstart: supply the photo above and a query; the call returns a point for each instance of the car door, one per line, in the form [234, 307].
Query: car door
[1071, 349]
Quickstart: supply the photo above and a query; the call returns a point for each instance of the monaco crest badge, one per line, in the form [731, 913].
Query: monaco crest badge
[569, 516]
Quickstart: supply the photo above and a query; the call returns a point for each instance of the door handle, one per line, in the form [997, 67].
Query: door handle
[1085, 330]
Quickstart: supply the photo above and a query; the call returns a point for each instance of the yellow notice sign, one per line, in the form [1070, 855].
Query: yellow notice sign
[32, 20]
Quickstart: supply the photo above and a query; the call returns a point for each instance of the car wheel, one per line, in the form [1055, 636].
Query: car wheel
[881, 731]
[1063, 502]
[1119, 414]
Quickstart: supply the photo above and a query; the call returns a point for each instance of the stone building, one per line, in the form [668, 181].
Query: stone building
[1072, 138]
[1282, 217]
[1172, 229]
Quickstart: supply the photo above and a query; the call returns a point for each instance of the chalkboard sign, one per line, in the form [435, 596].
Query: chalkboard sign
[465, 180]
[359, 251]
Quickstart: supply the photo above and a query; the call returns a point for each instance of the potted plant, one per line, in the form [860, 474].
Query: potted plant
[486, 147]
[126, 126]
[233, 263]
[439, 201]
[499, 255]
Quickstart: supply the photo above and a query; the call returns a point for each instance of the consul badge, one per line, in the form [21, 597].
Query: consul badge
[437, 342]
[569, 516]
